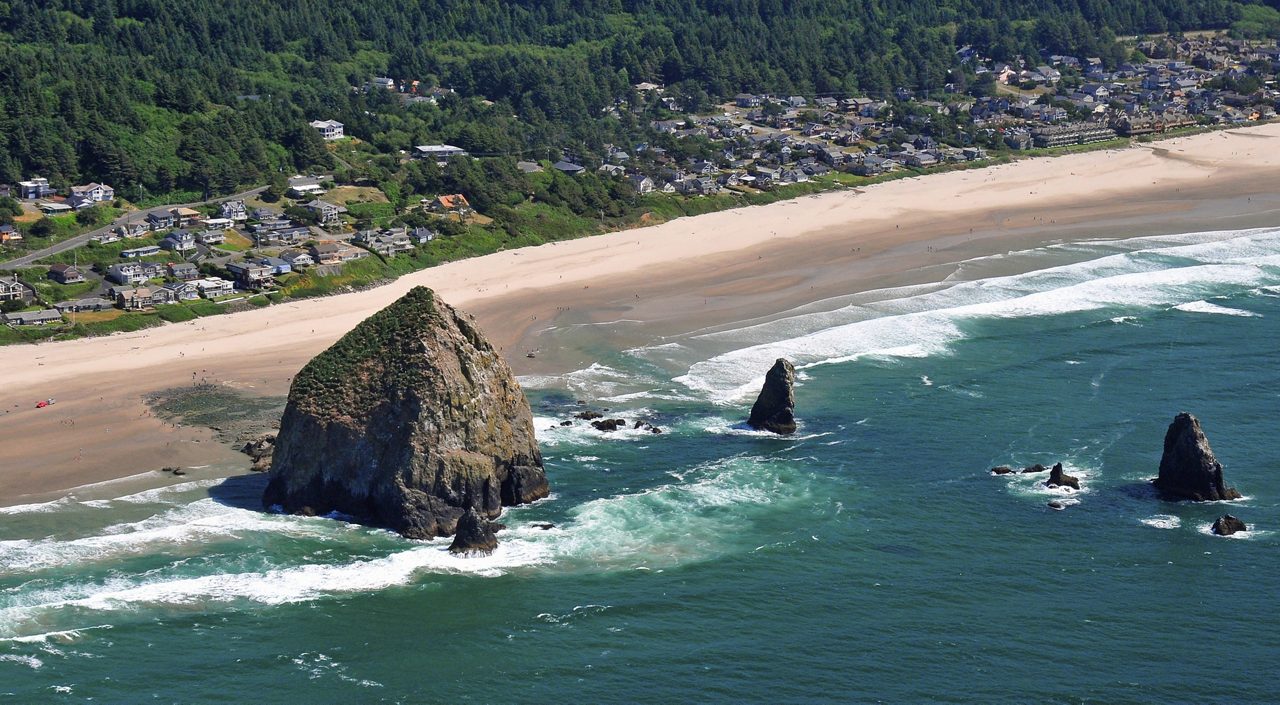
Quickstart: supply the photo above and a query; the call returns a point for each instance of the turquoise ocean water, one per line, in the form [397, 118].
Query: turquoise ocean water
[869, 558]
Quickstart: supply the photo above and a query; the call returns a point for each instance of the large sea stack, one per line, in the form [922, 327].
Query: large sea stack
[407, 422]
[1188, 469]
[774, 409]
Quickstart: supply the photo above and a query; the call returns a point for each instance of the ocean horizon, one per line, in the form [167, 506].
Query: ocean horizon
[869, 557]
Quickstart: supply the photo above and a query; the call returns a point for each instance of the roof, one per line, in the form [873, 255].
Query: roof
[568, 167]
[455, 200]
[325, 123]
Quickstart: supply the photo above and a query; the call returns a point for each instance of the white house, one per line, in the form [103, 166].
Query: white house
[329, 129]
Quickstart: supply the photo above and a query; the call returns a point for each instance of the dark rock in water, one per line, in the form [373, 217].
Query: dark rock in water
[774, 409]
[1188, 469]
[545, 526]
[638, 423]
[407, 422]
[1227, 525]
[1058, 478]
[474, 535]
[588, 415]
[1034, 468]
[1055, 504]
[1001, 470]
[609, 425]
[566, 423]
[654, 429]
[179, 472]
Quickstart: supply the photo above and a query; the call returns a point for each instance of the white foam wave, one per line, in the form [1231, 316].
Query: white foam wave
[1170, 272]
[1206, 307]
[1163, 521]
[199, 522]
[29, 661]
[38, 507]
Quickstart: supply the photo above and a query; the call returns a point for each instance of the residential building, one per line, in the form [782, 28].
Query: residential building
[327, 252]
[303, 186]
[250, 275]
[129, 273]
[132, 230]
[297, 258]
[451, 203]
[213, 236]
[641, 183]
[277, 265]
[327, 213]
[329, 129]
[179, 241]
[93, 303]
[9, 233]
[37, 187]
[33, 318]
[568, 167]
[282, 237]
[65, 274]
[183, 271]
[94, 193]
[135, 299]
[234, 211]
[213, 287]
[144, 251]
[11, 289]
[160, 220]
[181, 291]
[441, 153]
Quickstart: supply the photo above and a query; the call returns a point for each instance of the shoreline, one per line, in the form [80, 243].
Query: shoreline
[687, 274]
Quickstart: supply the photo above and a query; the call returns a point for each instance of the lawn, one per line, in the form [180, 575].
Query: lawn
[53, 292]
[235, 242]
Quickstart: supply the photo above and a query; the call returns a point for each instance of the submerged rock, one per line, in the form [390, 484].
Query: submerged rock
[774, 409]
[1056, 505]
[1188, 468]
[474, 535]
[1058, 478]
[1001, 470]
[1227, 525]
[1034, 468]
[588, 415]
[407, 422]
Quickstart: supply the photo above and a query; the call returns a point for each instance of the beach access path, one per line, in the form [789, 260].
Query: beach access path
[667, 279]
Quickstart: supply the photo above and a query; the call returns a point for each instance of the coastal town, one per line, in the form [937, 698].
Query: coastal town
[180, 262]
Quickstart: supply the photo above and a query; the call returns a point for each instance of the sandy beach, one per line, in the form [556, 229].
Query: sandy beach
[671, 278]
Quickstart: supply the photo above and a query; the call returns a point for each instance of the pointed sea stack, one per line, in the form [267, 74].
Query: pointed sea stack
[407, 422]
[474, 535]
[1188, 469]
[774, 409]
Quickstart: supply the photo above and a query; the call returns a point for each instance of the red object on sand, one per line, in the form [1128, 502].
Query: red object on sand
[41, 404]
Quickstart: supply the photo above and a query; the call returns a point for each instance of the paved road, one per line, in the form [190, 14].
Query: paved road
[81, 239]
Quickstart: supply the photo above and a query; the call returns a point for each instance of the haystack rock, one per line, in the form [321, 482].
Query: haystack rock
[1227, 525]
[407, 422]
[774, 409]
[1188, 469]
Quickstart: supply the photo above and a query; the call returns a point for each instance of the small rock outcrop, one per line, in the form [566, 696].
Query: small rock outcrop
[1034, 468]
[407, 422]
[474, 535]
[1227, 525]
[774, 409]
[1188, 468]
[259, 451]
[1002, 470]
[1058, 478]
[609, 425]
